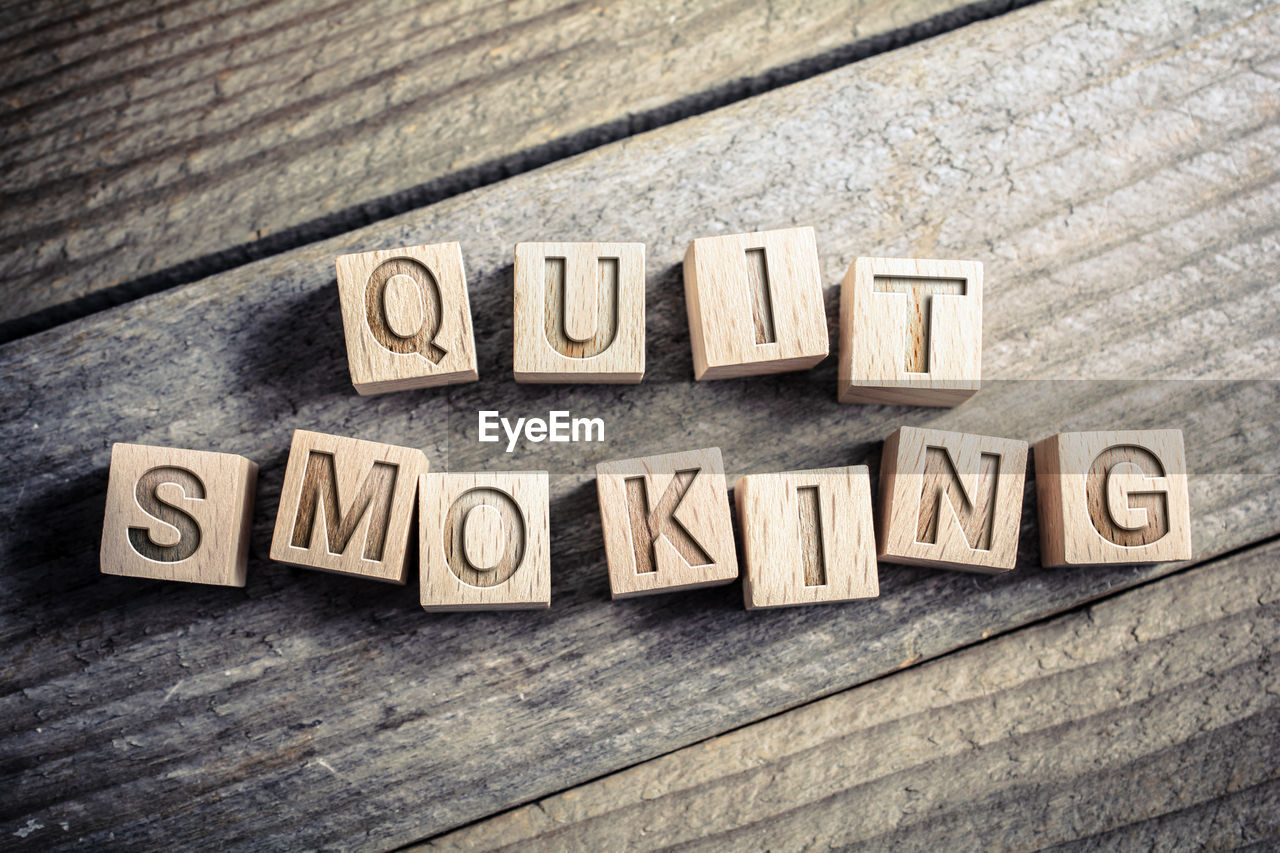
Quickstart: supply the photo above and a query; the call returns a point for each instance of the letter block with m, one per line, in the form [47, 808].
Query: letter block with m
[666, 522]
[951, 500]
[180, 515]
[1113, 497]
[347, 506]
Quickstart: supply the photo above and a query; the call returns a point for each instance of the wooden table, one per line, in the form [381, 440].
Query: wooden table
[177, 182]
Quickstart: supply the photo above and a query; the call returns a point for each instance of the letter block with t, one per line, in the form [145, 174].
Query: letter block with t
[1113, 497]
[951, 500]
[579, 312]
[485, 541]
[347, 506]
[755, 303]
[910, 332]
[666, 522]
[807, 537]
[406, 318]
[179, 515]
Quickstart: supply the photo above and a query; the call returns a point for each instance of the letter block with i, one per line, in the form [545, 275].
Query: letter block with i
[579, 312]
[755, 303]
[666, 522]
[406, 318]
[910, 332]
[951, 500]
[1113, 497]
[179, 515]
[347, 506]
[807, 537]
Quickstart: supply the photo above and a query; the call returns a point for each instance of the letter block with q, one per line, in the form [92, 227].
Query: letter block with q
[181, 515]
[485, 541]
[406, 318]
[346, 506]
[1113, 497]
[951, 500]
[666, 522]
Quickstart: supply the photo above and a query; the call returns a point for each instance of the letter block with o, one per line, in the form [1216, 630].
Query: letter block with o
[951, 500]
[346, 506]
[666, 522]
[910, 332]
[406, 318]
[1113, 497]
[485, 541]
[755, 303]
[579, 312]
[181, 515]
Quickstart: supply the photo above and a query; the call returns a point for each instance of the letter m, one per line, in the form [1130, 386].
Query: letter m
[320, 494]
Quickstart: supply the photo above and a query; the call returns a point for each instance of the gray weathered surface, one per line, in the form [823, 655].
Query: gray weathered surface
[133, 139]
[1116, 173]
[1148, 721]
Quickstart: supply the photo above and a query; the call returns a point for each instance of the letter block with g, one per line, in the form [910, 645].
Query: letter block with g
[1113, 497]
[406, 318]
[181, 515]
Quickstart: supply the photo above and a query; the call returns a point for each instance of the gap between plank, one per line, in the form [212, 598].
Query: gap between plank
[494, 171]
[1041, 620]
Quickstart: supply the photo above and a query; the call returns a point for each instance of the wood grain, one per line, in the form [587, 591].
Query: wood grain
[1150, 720]
[135, 139]
[1116, 176]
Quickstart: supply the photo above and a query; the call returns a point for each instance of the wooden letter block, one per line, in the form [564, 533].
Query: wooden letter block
[1113, 497]
[910, 332]
[406, 318]
[485, 541]
[807, 537]
[579, 312]
[666, 522]
[755, 303]
[347, 506]
[951, 500]
[178, 515]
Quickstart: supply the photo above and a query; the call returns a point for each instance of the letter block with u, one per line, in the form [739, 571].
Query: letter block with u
[485, 541]
[951, 500]
[666, 522]
[406, 318]
[346, 506]
[579, 312]
[1113, 497]
[180, 515]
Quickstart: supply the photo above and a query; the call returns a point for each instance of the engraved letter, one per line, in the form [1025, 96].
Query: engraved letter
[647, 525]
[1128, 496]
[582, 314]
[320, 488]
[920, 293]
[976, 512]
[171, 514]
[484, 537]
[386, 324]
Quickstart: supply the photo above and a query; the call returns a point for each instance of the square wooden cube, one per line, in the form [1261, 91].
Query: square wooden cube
[755, 303]
[579, 312]
[178, 515]
[485, 541]
[347, 506]
[666, 522]
[1118, 496]
[951, 500]
[807, 537]
[910, 332]
[406, 318]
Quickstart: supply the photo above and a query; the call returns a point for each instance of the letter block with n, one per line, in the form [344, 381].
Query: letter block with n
[951, 500]
[579, 312]
[347, 506]
[666, 522]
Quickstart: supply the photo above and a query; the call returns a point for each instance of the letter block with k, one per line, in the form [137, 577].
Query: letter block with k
[666, 522]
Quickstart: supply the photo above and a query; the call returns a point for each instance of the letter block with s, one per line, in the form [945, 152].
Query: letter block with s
[346, 506]
[1113, 497]
[666, 522]
[485, 540]
[181, 515]
[406, 318]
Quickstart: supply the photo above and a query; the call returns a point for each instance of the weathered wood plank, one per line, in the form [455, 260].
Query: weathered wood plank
[134, 139]
[1129, 154]
[1150, 720]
